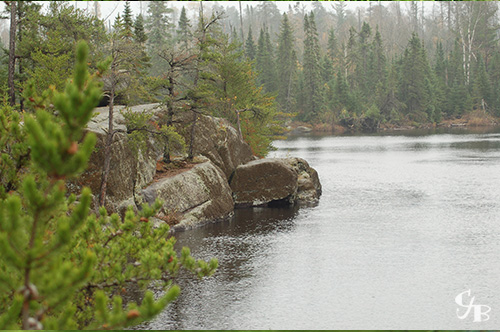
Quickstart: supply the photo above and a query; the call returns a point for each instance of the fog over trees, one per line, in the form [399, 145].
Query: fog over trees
[326, 62]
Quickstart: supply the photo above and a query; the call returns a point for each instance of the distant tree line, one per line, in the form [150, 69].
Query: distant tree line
[397, 63]
[381, 63]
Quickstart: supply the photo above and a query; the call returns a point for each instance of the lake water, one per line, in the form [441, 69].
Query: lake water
[405, 224]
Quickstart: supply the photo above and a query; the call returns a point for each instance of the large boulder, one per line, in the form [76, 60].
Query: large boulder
[195, 197]
[270, 182]
[262, 182]
[129, 171]
[216, 139]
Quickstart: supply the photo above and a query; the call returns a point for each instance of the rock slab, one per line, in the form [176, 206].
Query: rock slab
[216, 139]
[128, 173]
[197, 196]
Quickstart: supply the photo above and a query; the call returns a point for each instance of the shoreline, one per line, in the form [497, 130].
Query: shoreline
[470, 121]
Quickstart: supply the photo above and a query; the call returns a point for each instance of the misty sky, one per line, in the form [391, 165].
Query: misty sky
[109, 9]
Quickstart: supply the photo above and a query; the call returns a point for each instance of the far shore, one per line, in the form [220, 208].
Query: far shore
[474, 121]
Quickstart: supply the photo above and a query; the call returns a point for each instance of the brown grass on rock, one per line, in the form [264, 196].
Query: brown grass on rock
[165, 170]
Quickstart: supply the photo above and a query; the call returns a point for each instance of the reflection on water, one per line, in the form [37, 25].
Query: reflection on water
[405, 224]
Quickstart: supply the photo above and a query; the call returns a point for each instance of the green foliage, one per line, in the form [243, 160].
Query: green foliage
[184, 30]
[60, 264]
[286, 67]
[158, 23]
[250, 51]
[299, 67]
[127, 20]
[173, 141]
[13, 149]
[129, 63]
[133, 121]
[362, 65]
[416, 82]
[48, 39]
[264, 62]
[373, 113]
[140, 126]
[228, 86]
[139, 33]
[311, 70]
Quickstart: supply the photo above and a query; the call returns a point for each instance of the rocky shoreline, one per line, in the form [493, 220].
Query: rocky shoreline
[225, 174]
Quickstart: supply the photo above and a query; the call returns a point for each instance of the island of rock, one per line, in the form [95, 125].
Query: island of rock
[224, 174]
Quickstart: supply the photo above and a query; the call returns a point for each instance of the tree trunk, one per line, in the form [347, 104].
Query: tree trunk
[12, 52]
[241, 23]
[191, 142]
[20, 65]
[107, 150]
[239, 125]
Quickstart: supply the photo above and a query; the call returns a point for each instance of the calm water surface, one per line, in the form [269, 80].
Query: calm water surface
[404, 225]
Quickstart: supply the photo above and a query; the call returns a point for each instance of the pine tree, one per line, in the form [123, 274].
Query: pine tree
[442, 89]
[481, 86]
[388, 98]
[286, 66]
[311, 69]
[250, 51]
[184, 29]
[128, 63]
[377, 69]
[326, 69]
[227, 86]
[352, 57]
[13, 150]
[60, 265]
[332, 47]
[159, 37]
[417, 83]
[139, 33]
[361, 65]
[47, 47]
[343, 104]
[458, 98]
[128, 23]
[265, 62]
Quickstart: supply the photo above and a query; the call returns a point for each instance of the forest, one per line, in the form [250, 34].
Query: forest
[401, 63]
[327, 65]
[395, 64]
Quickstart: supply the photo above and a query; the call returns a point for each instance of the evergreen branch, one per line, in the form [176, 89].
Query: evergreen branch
[91, 286]
[113, 235]
[14, 247]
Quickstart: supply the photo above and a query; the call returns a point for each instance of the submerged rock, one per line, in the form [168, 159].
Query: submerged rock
[271, 182]
[197, 196]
